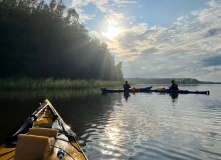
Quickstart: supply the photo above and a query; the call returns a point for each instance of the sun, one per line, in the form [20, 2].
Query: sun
[112, 32]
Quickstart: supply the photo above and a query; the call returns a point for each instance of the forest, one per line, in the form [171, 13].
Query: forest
[40, 40]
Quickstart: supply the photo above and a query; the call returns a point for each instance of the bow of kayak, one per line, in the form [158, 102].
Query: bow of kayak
[44, 135]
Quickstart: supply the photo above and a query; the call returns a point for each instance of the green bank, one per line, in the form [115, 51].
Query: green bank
[51, 83]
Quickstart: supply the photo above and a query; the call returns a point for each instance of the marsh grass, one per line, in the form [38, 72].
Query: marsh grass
[51, 83]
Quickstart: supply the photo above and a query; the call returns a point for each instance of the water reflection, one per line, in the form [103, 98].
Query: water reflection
[128, 126]
[174, 97]
[79, 108]
[126, 95]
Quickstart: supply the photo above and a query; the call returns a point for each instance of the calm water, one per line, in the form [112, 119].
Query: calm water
[141, 126]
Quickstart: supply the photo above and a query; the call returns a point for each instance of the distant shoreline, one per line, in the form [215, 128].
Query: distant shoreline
[168, 81]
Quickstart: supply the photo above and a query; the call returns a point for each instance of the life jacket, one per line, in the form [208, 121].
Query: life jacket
[126, 86]
[174, 87]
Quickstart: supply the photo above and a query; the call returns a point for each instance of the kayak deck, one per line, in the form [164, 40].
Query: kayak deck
[44, 117]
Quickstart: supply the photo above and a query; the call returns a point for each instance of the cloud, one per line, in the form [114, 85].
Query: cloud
[217, 69]
[212, 68]
[133, 50]
[186, 48]
[149, 51]
[113, 18]
[95, 33]
[103, 5]
[192, 42]
[86, 17]
[212, 61]
[166, 67]
[213, 32]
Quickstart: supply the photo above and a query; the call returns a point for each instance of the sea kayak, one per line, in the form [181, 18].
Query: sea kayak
[44, 135]
[104, 90]
[180, 91]
[148, 89]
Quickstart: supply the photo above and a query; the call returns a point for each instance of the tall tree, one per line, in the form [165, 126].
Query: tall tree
[40, 40]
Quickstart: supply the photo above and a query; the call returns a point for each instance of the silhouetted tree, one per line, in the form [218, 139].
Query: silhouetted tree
[41, 40]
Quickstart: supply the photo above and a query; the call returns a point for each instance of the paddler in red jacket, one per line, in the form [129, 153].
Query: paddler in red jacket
[126, 86]
[174, 86]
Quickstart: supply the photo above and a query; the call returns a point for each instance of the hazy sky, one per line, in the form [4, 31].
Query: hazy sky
[158, 38]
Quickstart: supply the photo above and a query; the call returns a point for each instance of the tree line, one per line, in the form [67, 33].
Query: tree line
[40, 40]
[163, 80]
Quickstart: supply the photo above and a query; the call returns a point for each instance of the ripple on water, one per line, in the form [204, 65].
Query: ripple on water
[146, 126]
[152, 129]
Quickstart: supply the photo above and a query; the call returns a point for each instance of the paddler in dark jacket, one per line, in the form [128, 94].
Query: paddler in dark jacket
[126, 86]
[174, 86]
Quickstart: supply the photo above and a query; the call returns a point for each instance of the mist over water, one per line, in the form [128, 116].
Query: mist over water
[141, 126]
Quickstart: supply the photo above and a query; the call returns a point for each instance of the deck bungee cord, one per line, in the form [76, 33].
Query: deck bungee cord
[29, 122]
[69, 143]
[64, 151]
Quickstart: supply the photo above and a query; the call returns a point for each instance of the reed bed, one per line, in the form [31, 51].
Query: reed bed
[51, 83]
